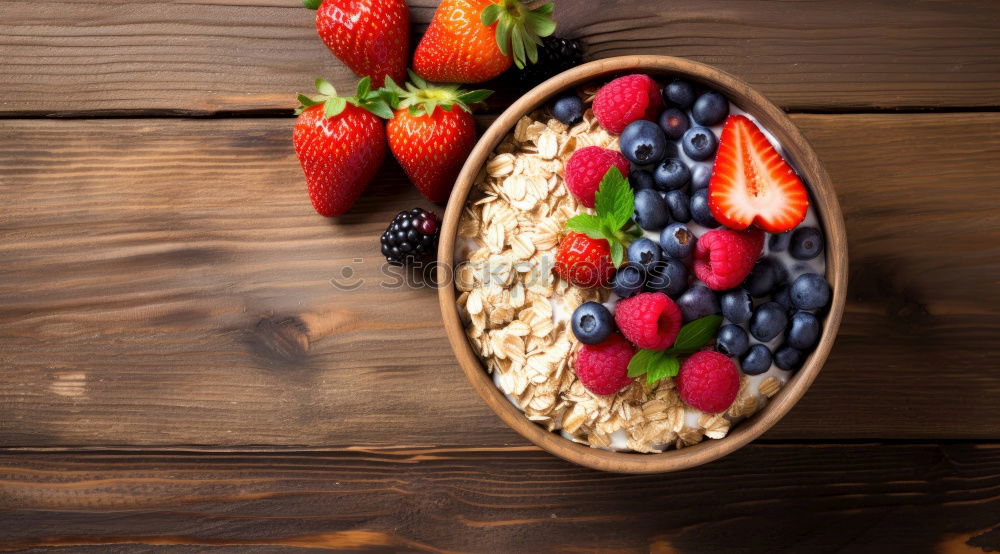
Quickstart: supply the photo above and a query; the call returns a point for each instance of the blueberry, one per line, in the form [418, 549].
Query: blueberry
[806, 243]
[788, 358]
[710, 108]
[782, 297]
[700, 211]
[780, 271]
[699, 143]
[732, 341]
[644, 252]
[640, 179]
[810, 292]
[650, 210]
[804, 331]
[628, 280]
[671, 174]
[679, 93]
[737, 306]
[568, 109]
[757, 360]
[768, 321]
[669, 276]
[677, 240]
[779, 242]
[698, 301]
[701, 174]
[674, 122]
[678, 204]
[592, 323]
[763, 277]
[643, 142]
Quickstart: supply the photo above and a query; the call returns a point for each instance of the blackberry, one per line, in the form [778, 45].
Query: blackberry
[555, 55]
[412, 236]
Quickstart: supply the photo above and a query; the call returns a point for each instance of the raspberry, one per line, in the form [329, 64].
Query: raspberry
[708, 381]
[650, 320]
[627, 99]
[723, 258]
[587, 166]
[603, 368]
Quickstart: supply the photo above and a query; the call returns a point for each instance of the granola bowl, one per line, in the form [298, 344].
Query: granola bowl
[512, 337]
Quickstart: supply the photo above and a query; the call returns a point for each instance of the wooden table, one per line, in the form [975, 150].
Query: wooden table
[177, 369]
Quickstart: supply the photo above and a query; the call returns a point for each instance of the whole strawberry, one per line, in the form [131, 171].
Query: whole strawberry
[371, 36]
[340, 144]
[584, 262]
[432, 132]
[471, 41]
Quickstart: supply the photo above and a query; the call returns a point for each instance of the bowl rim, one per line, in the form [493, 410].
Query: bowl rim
[795, 147]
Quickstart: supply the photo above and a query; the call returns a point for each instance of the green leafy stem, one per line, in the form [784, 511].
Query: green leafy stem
[662, 364]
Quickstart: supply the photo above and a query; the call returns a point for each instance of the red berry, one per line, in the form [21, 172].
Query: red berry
[752, 184]
[724, 258]
[650, 320]
[584, 261]
[603, 368]
[371, 36]
[708, 381]
[587, 166]
[627, 99]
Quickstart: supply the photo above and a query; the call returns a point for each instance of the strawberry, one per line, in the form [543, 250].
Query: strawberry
[432, 132]
[752, 184]
[340, 144]
[583, 261]
[371, 36]
[471, 41]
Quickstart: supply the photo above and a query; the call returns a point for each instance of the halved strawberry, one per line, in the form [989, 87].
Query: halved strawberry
[752, 184]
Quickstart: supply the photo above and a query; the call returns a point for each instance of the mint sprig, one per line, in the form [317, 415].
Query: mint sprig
[662, 364]
[614, 203]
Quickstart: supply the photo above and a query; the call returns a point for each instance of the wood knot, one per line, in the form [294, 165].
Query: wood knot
[284, 338]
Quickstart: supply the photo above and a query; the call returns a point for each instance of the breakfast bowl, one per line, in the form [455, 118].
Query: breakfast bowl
[644, 428]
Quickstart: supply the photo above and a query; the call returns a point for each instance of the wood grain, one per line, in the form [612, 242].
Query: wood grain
[765, 498]
[67, 57]
[165, 282]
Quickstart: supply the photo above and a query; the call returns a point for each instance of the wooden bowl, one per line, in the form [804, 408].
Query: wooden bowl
[796, 149]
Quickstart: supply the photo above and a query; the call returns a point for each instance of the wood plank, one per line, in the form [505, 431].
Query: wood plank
[67, 57]
[798, 498]
[165, 282]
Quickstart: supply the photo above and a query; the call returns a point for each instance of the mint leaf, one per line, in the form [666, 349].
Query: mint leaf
[587, 224]
[614, 200]
[617, 252]
[663, 367]
[696, 333]
[640, 361]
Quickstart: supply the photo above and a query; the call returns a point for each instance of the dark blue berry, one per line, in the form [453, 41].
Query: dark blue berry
[700, 212]
[641, 179]
[810, 292]
[780, 271]
[701, 175]
[782, 297]
[671, 174]
[788, 358]
[679, 93]
[737, 306]
[763, 278]
[644, 252]
[732, 341]
[650, 210]
[669, 276]
[628, 280]
[698, 301]
[643, 142]
[757, 360]
[804, 331]
[710, 108]
[699, 143]
[779, 242]
[677, 240]
[592, 323]
[568, 109]
[679, 205]
[674, 122]
[768, 321]
[806, 243]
